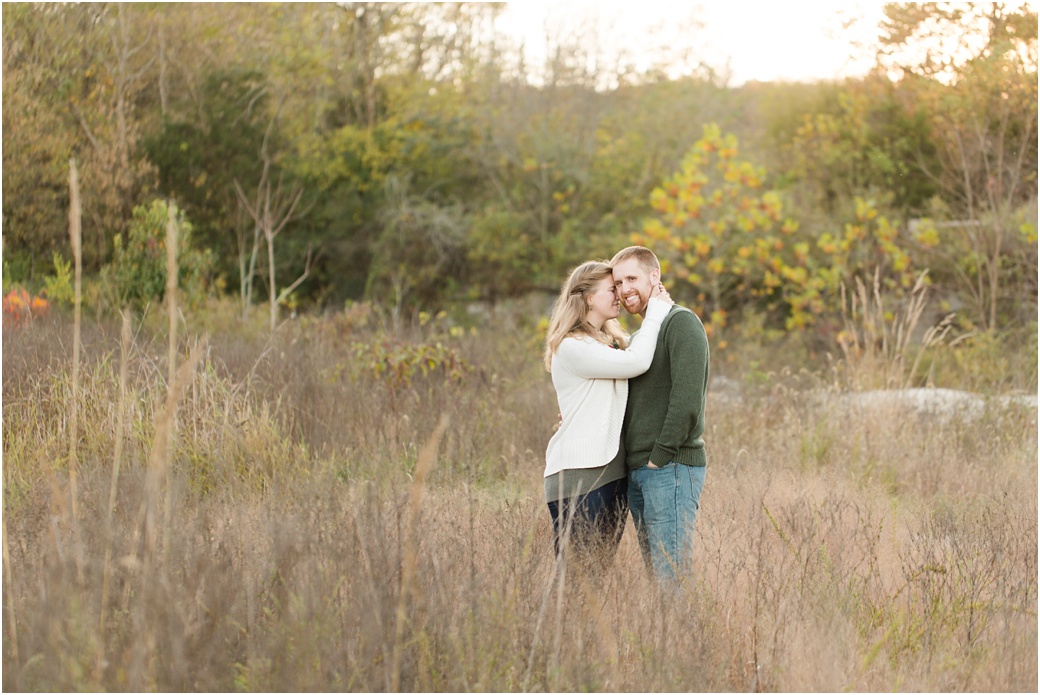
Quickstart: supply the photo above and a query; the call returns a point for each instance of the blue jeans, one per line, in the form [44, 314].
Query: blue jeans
[664, 503]
[596, 521]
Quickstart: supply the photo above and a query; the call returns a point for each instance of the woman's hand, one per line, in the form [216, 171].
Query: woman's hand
[659, 292]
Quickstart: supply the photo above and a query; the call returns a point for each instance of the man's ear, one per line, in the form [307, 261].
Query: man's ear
[655, 276]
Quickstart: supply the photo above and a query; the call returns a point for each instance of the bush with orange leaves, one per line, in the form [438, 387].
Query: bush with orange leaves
[20, 308]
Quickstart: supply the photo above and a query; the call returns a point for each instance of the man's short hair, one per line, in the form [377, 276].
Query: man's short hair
[645, 256]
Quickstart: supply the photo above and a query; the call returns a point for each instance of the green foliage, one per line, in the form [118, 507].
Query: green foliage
[59, 286]
[397, 364]
[136, 276]
[38, 140]
[872, 142]
[501, 252]
[200, 156]
[510, 184]
[418, 253]
[990, 362]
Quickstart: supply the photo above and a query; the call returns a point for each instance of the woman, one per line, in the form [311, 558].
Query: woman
[590, 359]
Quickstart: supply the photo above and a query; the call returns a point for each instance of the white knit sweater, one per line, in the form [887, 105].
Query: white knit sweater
[591, 381]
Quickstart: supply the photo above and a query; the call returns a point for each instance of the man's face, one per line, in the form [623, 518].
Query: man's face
[634, 285]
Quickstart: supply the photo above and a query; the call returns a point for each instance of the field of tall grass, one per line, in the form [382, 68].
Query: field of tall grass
[347, 506]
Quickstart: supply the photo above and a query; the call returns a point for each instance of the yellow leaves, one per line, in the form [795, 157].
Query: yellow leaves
[655, 230]
[659, 199]
[826, 244]
[1028, 232]
[885, 231]
[744, 252]
[927, 234]
[865, 210]
[702, 247]
[711, 139]
[771, 204]
[797, 320]
[798, 275]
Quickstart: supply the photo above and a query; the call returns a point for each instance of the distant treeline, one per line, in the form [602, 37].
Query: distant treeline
[398, 150]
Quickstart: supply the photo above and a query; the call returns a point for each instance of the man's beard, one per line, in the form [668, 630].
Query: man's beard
[638, 305]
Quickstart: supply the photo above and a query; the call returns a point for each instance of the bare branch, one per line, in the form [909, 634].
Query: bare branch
[306, 272]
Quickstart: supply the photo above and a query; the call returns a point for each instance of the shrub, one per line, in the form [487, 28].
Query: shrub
[136, 276]
[20, 308]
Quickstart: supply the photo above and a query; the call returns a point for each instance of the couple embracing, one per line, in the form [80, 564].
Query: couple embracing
[632, 416]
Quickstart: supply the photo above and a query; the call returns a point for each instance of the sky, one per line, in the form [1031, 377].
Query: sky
[750, 40]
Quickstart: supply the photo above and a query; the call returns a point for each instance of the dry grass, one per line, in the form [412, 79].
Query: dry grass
[307, 542]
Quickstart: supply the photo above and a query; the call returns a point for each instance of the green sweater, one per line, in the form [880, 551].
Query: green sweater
[664, 420]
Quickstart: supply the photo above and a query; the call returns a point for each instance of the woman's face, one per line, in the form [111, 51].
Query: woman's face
[603, 302]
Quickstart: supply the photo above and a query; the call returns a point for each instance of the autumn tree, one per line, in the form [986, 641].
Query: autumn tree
[982, 95]
[872, 141]
[72, 75]
[38, 142]
[735, 249]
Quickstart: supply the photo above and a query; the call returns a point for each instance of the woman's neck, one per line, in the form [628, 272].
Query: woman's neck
[597, 332]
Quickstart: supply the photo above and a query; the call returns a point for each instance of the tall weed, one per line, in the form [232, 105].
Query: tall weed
[304, 539]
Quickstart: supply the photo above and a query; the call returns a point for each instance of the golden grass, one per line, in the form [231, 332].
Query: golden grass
[305, 540]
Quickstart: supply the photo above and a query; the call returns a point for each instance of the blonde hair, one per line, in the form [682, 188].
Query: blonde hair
[645, 256]
[570, 311]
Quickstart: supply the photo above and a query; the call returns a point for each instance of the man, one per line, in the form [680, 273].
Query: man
[664, 423]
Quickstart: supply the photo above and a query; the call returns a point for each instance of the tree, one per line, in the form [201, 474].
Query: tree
[136, 275]
[419, 251]
[271, 209]
[717, 229]
[37, 147]
[201, 152]
[983, 98]
[77, 70]
[872, 142]
[726, 239]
